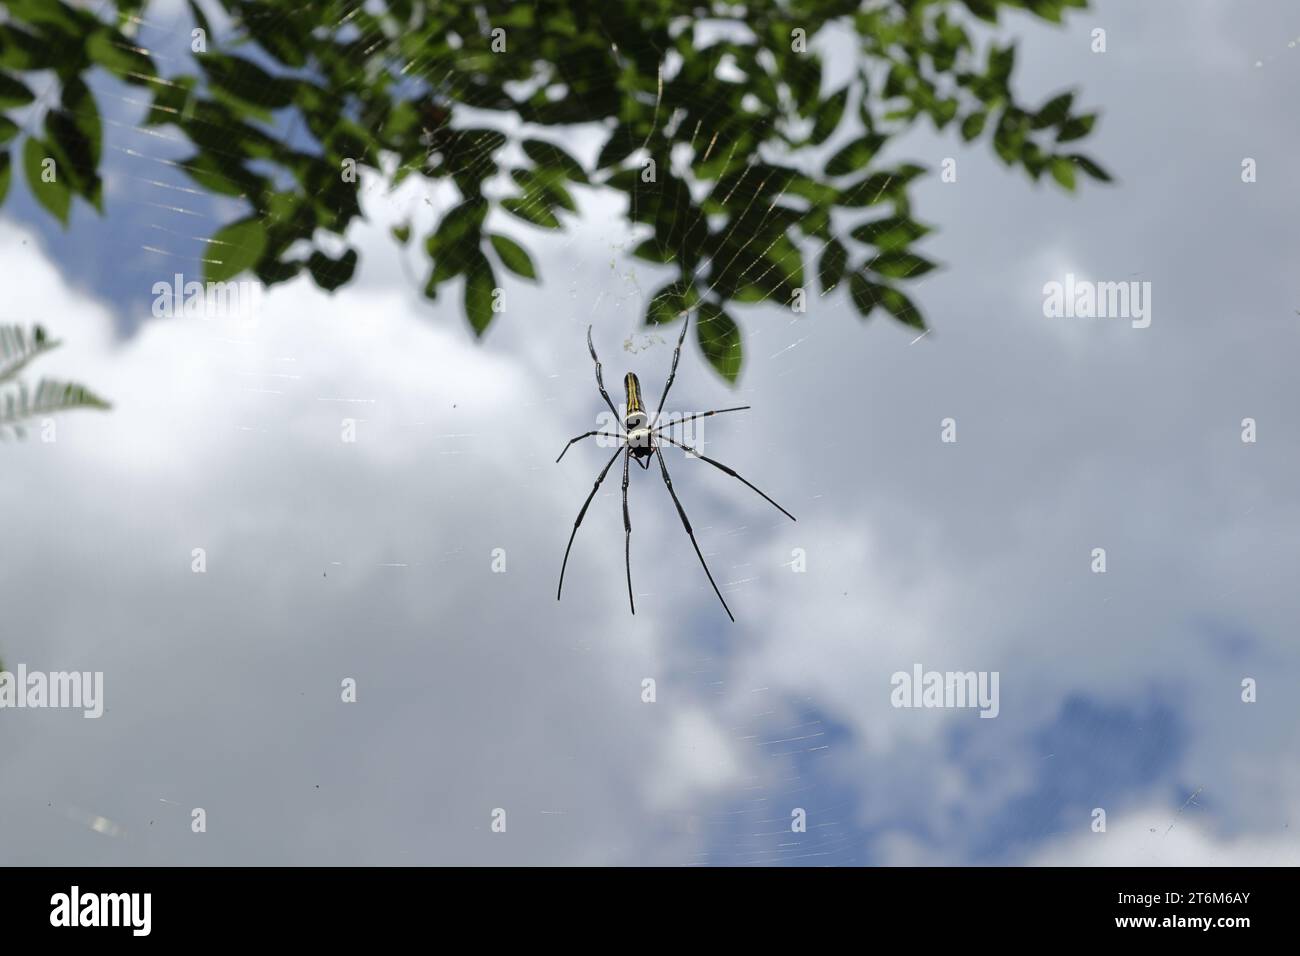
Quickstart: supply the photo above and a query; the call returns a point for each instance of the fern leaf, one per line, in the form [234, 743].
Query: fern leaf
[18, 404]
[18, 347]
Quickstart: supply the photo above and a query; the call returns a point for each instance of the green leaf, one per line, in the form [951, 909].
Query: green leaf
[1033, 158]
[803, 73]
[901, 307]
[835, 259]
[55, 196]
[480, 283]
[1054, 112]
[55, 17]
[719, 339]
[879, 187]
[1001, 62]
[221, 173]
[1052, 10]
[788, 261]
[21, 50]
[890, 233]
[75, 136]
[80, 106]
[671, 302]
[865, 294]
[13, 92]
[471, 150]
[279, 34]
[973, 125]
[1063, 171]
[6, 174]
[900, 265]
[19, 347]
[246, 82]
[462, 223]
[448, 262]
[234, 248]
[531, 211]
[944, 112]
[8, 129]
[546, 186]
[651, 250]
[621, 144]
[402, 233]
[329, 273]
[550, 156]
[18, 403]
[829, 114]
[865, 115]
[1076, 127]
[114, 52]
[200, 20]
[1091, 168]
[854, 156]
[513, 256]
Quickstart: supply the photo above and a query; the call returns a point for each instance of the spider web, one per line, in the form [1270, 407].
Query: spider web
[795, 753]
[172, 222]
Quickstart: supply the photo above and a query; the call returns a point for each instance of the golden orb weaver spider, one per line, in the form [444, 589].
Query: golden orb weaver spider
[639, 439]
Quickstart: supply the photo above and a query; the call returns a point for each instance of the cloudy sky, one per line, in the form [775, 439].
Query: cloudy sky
[476, 690]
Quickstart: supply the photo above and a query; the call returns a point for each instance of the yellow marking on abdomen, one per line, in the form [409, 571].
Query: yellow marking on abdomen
[633, 388]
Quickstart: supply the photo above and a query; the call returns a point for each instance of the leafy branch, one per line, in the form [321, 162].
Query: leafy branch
[715, 137]
[18, 403]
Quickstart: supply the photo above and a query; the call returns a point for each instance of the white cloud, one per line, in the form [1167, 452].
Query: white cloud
[479, 690]
[324, 560]
[1147, 837]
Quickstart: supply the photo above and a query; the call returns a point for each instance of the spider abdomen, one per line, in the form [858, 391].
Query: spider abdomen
[635, 418]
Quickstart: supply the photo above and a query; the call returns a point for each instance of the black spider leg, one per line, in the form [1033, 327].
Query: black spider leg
[581, 514]
[600, 382]
[627, 530]
[672, 373]
[687, 524]
[691, 418]
[586, 435]
[719, 465]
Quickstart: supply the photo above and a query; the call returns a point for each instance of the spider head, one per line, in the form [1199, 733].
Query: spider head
[635, 417]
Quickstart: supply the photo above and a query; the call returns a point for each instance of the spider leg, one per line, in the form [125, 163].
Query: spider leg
[672, 373]
[586, 435]
[600, 382]
[627, 530]
[687, 525]
[719, 465]
[581, 514]
[691, 418]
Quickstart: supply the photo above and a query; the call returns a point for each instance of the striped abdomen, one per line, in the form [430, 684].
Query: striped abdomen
[636, 416]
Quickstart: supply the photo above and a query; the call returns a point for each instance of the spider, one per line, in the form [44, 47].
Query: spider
[639, 440]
